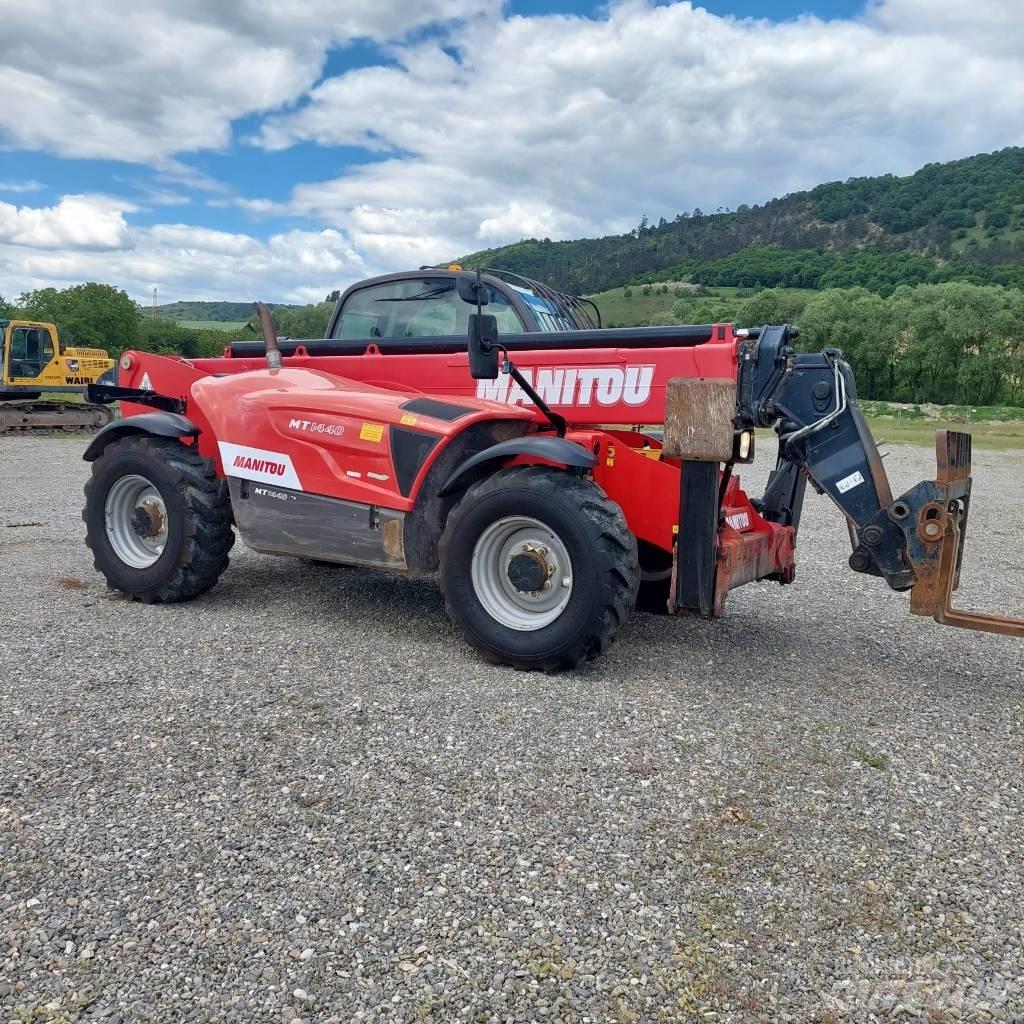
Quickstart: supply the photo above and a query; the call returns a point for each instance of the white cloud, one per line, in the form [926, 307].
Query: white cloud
[563, 126]
[501, 128]
[76, 222]
[143, 81]
[85, 238]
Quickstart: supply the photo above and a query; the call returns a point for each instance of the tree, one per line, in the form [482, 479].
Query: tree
[303, 321]
[96, 315]
[771, 306]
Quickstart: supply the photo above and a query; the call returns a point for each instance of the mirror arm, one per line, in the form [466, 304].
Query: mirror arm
[557, 421]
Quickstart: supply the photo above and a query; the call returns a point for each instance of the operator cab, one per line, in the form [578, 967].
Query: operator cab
[31, 351]
[427, 303]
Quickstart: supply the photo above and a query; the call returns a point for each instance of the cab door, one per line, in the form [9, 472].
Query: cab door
[31, 353]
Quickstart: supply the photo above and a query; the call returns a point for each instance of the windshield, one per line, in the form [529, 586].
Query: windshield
[417, 308]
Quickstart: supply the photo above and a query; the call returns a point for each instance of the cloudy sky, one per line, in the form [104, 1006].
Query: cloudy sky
[283, 148]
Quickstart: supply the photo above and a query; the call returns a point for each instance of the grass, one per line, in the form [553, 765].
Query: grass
[960, 414]
[637, 309]
[872, 758]
[922, 432]
[213, 325]
[991, 426]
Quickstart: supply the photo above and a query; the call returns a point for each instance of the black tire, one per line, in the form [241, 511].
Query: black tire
[198, 519]
[592, 530]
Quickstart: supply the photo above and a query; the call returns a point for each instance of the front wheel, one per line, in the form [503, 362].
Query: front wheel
[158, 519]
[539, 568]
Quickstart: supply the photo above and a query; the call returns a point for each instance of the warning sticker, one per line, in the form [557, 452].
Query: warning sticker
[409, 419]
[849, 482]
[371, 432]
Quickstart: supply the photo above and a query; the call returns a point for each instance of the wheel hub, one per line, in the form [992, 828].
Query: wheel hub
[147, 519]
[522, 573]
[528, 571]
[136, 521]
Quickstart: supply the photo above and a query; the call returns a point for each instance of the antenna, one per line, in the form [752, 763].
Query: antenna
[154, 302]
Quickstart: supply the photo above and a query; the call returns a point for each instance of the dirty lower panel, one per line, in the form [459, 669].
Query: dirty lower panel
[279, 521]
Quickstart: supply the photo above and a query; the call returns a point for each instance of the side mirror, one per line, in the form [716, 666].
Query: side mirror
[483, 346]
[469, 291]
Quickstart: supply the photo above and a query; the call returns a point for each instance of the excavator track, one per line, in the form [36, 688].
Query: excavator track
[27, 415]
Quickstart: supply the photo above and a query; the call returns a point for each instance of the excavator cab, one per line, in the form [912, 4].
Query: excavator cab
[28, 349]
[32, 349]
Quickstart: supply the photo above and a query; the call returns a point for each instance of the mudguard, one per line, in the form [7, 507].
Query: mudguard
[553, 449]
[159, 424]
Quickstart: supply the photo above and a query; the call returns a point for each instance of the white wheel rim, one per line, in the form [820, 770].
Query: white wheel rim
[510, 552]
[136, 521]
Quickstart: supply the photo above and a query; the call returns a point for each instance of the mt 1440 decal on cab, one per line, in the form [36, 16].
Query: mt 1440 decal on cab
[426, 435]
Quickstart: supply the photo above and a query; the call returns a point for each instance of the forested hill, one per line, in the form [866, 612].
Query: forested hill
[954, 221]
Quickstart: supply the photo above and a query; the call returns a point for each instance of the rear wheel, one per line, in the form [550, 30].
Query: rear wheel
[158, 519]
[538, 567]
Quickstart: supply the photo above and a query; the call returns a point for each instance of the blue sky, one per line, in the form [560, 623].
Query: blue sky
[286, 151]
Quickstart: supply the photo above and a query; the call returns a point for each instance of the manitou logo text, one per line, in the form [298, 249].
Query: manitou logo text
[259, 465]
[574, 385]
[265, 467]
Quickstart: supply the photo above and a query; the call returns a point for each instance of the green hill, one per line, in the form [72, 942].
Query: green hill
[228, 312]
[962, 220]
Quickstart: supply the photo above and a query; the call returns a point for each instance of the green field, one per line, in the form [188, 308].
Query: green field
[922, 432]
[991, 426]
[212, 325]
[638, 309]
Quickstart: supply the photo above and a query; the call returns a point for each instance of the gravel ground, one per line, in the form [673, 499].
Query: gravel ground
[303, 798]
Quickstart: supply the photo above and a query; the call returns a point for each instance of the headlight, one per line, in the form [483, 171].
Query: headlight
[743, 446]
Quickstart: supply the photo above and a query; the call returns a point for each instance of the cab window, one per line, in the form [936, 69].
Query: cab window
[418, 308]
[31, 351]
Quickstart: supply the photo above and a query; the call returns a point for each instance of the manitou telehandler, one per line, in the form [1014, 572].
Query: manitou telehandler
[425, 435]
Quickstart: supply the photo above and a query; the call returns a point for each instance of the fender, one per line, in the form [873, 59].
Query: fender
[554, 449]
[158, 424]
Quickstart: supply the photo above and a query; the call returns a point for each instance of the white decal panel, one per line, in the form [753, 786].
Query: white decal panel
[738, 520]
[573, 385]
[258, 464]
[849, 482]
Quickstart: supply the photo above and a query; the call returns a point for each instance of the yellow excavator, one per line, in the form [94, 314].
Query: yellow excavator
[33, 362]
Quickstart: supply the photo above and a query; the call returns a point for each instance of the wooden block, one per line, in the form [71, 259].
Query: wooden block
[699, 414]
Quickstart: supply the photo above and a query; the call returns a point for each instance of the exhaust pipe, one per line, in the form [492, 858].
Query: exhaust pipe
[269, 336]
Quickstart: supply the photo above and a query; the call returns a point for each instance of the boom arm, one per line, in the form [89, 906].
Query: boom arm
[916, 541]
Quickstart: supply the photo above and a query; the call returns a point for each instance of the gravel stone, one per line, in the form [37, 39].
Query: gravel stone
[302, 798]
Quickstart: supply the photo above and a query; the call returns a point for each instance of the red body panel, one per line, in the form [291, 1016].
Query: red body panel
[587, 386]
[313, 431]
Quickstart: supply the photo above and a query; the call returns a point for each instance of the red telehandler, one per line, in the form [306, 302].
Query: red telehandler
[424, 434]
